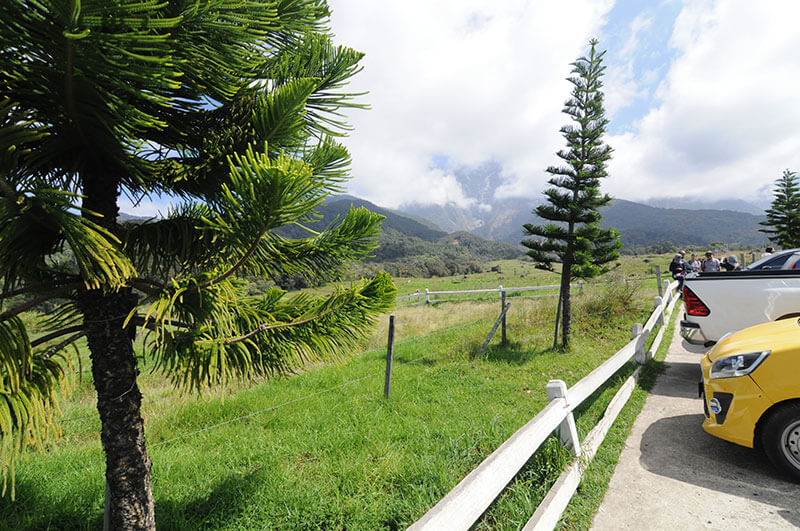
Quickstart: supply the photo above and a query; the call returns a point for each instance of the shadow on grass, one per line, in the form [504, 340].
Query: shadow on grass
[36, 508]
[511, 353]
[225, 504]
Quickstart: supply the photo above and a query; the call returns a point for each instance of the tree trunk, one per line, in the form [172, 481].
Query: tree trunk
[131, 504]
[566, 310]
[566, 278]
[129, 494]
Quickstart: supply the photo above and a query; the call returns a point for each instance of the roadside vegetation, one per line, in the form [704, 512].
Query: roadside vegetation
[322, 448]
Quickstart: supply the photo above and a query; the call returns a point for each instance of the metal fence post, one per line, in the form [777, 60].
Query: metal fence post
[568, 433]
[387, 386]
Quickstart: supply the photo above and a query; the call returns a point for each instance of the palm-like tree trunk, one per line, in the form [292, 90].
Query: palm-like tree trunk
[129, 495]
[130, 502]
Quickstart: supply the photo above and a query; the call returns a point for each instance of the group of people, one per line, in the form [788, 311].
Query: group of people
[680, 267]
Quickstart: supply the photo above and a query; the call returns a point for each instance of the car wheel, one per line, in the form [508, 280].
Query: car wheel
[781, 439]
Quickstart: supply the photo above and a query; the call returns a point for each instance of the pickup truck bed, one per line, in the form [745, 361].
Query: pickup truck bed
[722, 302]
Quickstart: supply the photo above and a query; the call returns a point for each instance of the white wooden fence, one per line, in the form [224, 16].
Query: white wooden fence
[463, 505]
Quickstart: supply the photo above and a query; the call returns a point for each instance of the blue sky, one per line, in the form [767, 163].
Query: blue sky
[645, 51]
[701, 94]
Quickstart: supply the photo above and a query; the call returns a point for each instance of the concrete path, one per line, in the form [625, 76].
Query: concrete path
[673, 475]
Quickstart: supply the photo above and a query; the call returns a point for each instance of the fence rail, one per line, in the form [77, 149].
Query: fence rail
[499, 289]
[463, 505]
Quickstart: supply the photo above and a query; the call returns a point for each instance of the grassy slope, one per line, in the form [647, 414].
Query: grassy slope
[323, 449]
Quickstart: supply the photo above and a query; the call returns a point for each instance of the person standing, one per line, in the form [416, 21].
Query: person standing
[710, 264]
[694, 264]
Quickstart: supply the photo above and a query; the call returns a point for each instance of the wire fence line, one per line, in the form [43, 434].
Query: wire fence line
[295, 400]
[264, 379]
[349, 382]
[500, 289]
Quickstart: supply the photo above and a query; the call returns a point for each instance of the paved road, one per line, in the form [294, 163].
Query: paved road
[673, 475]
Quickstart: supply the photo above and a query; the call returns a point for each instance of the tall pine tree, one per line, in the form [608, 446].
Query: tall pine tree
[232, 106]
[783, 216]
[574, 239]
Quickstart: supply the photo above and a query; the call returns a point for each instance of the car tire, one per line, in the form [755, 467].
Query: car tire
[781, 438]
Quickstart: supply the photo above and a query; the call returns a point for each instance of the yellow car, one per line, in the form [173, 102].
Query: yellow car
[751, 390]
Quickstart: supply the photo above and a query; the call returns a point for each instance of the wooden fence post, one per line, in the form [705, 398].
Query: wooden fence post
[658, 278]
[666, 287]
[742, 256]
[568, 433]
[427, 297]
[491, 333]
[387, 386]
[657, 301]
[640, 355]
[503, 338]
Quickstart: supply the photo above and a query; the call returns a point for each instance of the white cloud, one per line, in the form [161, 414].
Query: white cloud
[727, 120]
[621, 86]
[462, 78]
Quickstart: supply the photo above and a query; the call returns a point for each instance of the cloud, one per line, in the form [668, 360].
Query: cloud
[725, 124]
[464, 79]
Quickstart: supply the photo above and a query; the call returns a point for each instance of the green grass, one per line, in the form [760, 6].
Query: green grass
[323, 449]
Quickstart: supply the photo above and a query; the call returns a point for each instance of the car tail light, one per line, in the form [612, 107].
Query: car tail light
[693, 304]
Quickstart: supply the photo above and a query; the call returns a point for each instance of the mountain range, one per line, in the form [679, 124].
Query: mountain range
[683, 222]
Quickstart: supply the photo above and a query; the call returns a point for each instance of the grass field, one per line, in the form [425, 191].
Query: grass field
[323, 449]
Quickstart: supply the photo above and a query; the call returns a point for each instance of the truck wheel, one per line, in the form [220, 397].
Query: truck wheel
[781, 439]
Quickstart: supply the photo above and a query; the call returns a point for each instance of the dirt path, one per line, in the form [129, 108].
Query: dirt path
[673, 475]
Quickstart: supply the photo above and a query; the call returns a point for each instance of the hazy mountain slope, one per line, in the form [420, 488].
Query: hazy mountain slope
[640, 225]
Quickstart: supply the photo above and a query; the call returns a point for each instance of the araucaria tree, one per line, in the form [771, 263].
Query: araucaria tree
[783, 216]
[232, 106]
[574, 238]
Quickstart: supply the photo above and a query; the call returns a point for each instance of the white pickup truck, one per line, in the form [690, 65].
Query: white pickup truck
[722, 302]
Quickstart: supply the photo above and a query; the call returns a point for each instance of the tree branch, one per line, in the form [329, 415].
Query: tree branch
[36, 287]
[239, 263]
[150, 324]
[25, 306]
[58, 333]
[151, 287]
[50, 353]
[8, 191]
[266, 326]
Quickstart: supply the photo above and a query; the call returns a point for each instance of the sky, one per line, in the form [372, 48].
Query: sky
[701, 95]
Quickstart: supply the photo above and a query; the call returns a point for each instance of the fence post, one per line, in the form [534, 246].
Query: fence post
[657, 301]
[568, 433]
[666, 287]
[742, 256]
[387, 386]
[503, 338]
[427, 297]
[580, 287]
[491, 333]
[640, 356]
[658, 278]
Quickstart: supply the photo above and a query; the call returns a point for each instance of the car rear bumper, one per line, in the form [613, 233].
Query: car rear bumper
[692, 333]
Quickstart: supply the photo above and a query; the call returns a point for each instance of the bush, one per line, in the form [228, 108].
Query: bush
[614, 297]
